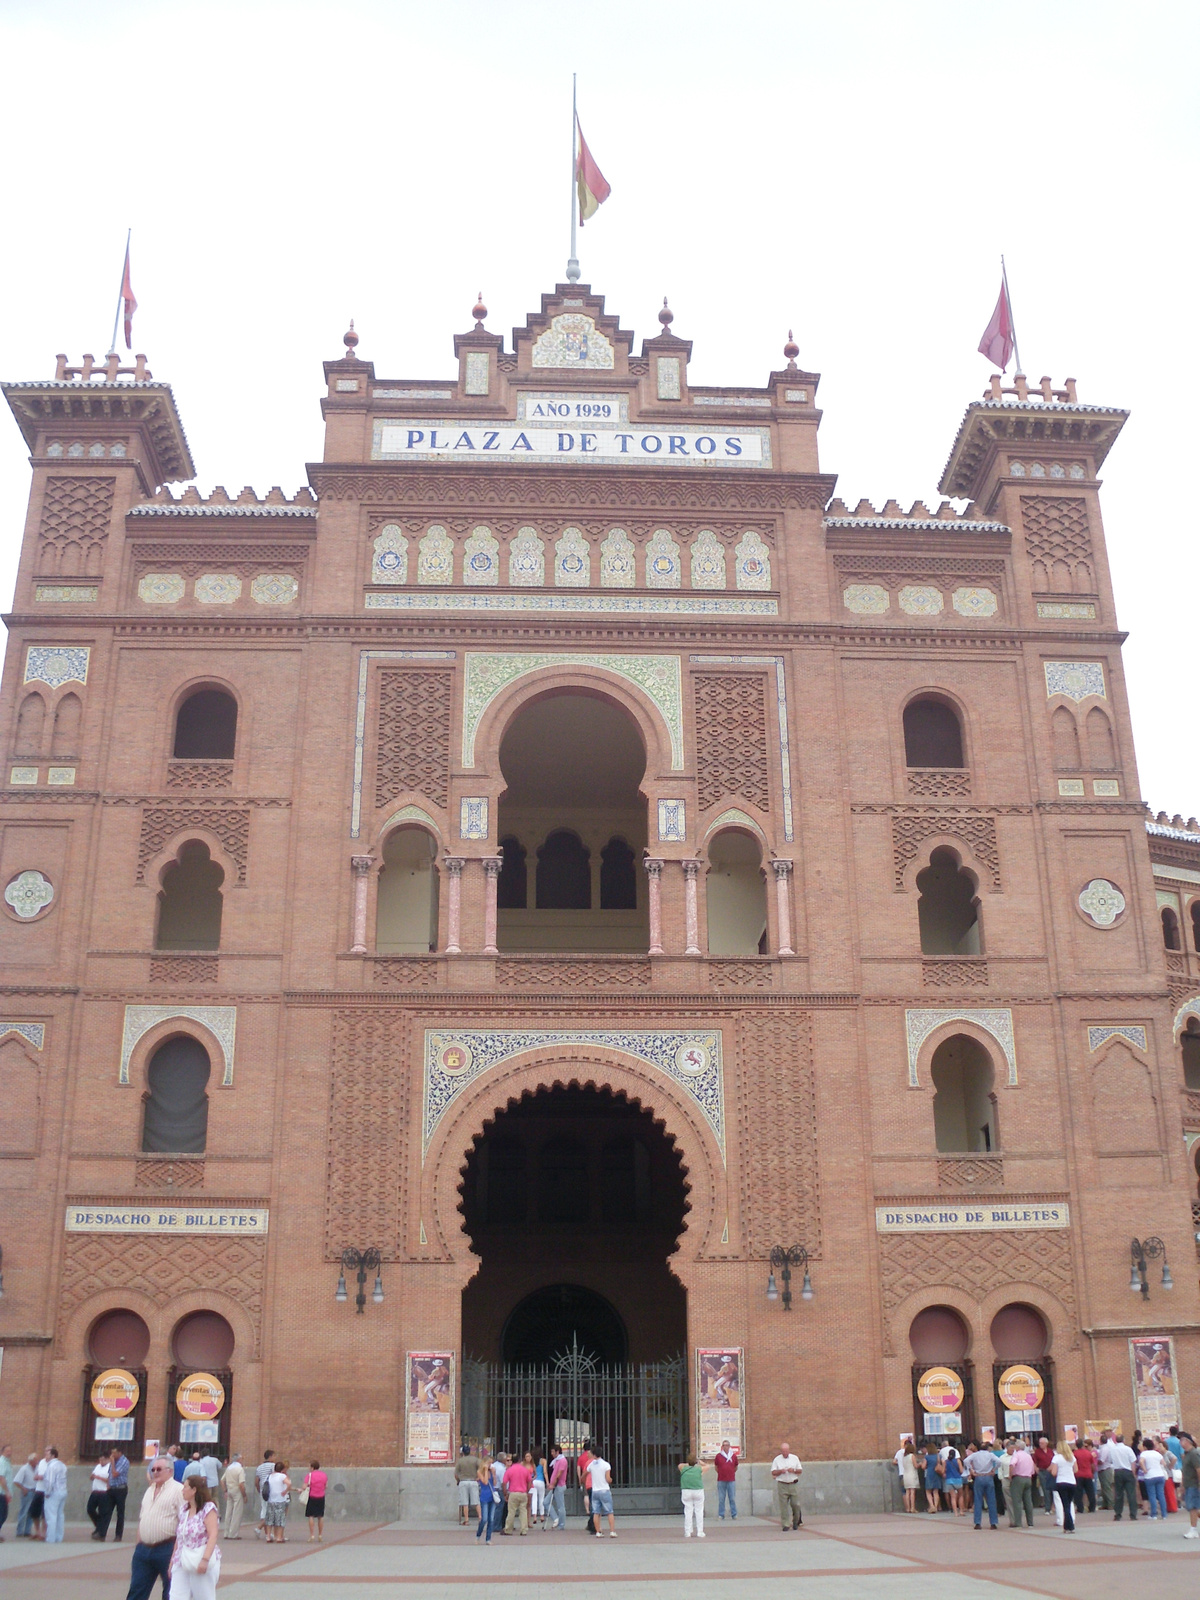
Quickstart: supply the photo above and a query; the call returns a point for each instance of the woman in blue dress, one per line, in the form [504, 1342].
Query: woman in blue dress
[953, 1480]
[933, 1480]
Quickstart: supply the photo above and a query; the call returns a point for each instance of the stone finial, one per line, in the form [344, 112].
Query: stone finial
[666, 316]
[791, 350]
[479, 311]
[350, 339]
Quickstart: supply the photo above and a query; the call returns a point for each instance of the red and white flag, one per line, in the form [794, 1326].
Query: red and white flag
[594, 188]
[997, 341]
[128, 300]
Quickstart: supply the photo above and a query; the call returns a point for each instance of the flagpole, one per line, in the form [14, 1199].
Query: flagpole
[112, 349]
[573, 263]
[1012, 321]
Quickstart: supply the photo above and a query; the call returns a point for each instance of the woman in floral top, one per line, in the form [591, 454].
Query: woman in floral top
[196, 1559]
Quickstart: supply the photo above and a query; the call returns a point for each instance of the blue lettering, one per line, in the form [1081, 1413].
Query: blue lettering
[677, 444]
[586, 448]
[490, 440]
[623, 439]
[974, 1216]
[521, 443]
[433, 440]
[566, 441]
[733, 445]
[705, 444]
[464, 442]
[415, 436]
[646, 438]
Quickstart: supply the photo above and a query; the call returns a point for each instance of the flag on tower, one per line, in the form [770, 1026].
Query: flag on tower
[998, 341]
[128, 300]
[594, 188]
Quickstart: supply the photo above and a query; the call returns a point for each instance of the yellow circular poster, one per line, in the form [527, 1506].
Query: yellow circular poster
[939, 1390]
[1021, 1389]
[200, 1397]
[114, 1393]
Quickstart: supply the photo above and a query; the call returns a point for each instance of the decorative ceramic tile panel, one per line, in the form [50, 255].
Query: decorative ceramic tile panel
[733, 818]
[1189, 1008]
[455, 1058]
[752, 562]
[996, 1021]
[435, 556]
[617, 561]
[218, 588]
[572, 340]
[672, 821]
[411, 814]
[682, 605]
[1106, 788]
[866, 599]
[664, 569]
[365, 657]
[23, 777]
[56, 664]
[33, 1032]
[1100, 1034]
[221, 1022]
[481, 557]
[389, 560]
[66, 594]
[658, 677]
[473, 818]
[1102, 902]
[161, 588]
[1076, 680]
[1067, 610]
[1070, 788]
[477, 374]
[707, 561]
[970, 602]
[527, 559]
[60, 776]
[920, 600]
[28, 893]
[668, 378]
[572, 560]
[274, 589]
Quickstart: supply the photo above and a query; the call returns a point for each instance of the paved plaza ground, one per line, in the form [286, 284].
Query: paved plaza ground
[835, 1558]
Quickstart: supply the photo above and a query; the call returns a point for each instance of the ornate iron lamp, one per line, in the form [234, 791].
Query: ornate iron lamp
[361, 1262]
[783, 1259]
[1142, 1251]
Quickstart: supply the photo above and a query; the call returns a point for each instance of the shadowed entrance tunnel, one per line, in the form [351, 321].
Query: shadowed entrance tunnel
[573, 1198]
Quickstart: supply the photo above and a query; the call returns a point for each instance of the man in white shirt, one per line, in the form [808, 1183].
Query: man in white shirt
[1124, 1481]
[786, 1470]
[600, 1479]
[25, 1478]
[54, 1487]
[158, 1522]
[211, 1466]
[1104, 1470]
[235, 1496]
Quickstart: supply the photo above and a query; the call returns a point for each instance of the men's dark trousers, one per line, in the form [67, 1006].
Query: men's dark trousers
[97, 1508]
[116, 1502]
[1125, 1488]
[3, 1509]
[1085, 1488]
[150, 1561]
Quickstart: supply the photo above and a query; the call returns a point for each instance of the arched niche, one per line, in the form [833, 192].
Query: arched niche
[407, 893]
[736, 894]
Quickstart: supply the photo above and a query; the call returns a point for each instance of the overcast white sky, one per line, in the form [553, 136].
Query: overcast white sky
[851, 170]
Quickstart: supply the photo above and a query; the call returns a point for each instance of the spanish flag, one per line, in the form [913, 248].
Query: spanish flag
[594, 188]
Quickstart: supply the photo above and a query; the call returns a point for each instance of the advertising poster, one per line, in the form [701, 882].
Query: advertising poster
[940, 1392]
[719, 1400]
[1152, 1366]
[429, 1407]
[115, 1393]
[200, 1398]
[1093, 1430]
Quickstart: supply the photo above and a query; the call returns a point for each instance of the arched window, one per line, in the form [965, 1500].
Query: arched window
[1196, 925]
[1018, 1333]
[203, 1341]
[189, 903]
[1170, 928]
[736, 893]
[938, 1336]
[948, 909]
[206, 726]
[564, 877]
[1102, 752]
[512, 886]
[118, 1339]
[932, 735]
[406, 907]
[1065, 738]
[68, 715]
[176, 1103]
[31, 720]
[563, 1189]
[618, 877]
[964, 1107]
[1189, 1045]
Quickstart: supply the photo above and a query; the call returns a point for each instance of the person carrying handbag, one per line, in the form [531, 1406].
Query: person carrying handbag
[196, 1558]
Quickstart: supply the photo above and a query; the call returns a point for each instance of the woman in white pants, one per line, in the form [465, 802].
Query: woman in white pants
[691, 1491]
[537, 1489]
[196, 1559]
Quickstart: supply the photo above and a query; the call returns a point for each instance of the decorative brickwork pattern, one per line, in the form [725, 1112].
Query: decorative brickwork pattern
[368, 1106]
[200, 775]
[938, 783]
[966, 974]
[76, 515]
[731, 738]
[1190, 1110]
[572, 974]
[739, 975]
[398, 972]
[184, 969]
[161, 823]
[1058, 542]
[193, 559]
[777, 1113]
[980, 1174]
[976, 1264]
[163, 1268]
[910, 830]
[414, 734]
[169, 1175]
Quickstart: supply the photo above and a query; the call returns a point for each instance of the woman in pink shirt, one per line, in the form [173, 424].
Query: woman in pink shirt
[316, 1483]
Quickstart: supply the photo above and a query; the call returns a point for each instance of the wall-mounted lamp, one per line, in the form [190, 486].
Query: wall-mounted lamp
[783, 1259]
[1142, 1251]
[361, 1262]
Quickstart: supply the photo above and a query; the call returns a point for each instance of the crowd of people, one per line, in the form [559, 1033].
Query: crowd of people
[1156, 1475]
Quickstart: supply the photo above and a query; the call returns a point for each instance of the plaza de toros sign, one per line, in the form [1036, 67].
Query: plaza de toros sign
[570, 441]
[998, 1218]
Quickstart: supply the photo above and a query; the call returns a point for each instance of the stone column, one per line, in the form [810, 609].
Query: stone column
[361, 868]
[454, 866]
[491, 872]
[783, 871]
[691, 874]
[654, 868]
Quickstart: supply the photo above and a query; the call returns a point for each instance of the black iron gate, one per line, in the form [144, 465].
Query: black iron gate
[635, 1415]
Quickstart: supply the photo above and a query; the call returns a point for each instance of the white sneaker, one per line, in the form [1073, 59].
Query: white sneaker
[702, 1536]
[613, 1534]
[1191, 1534]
